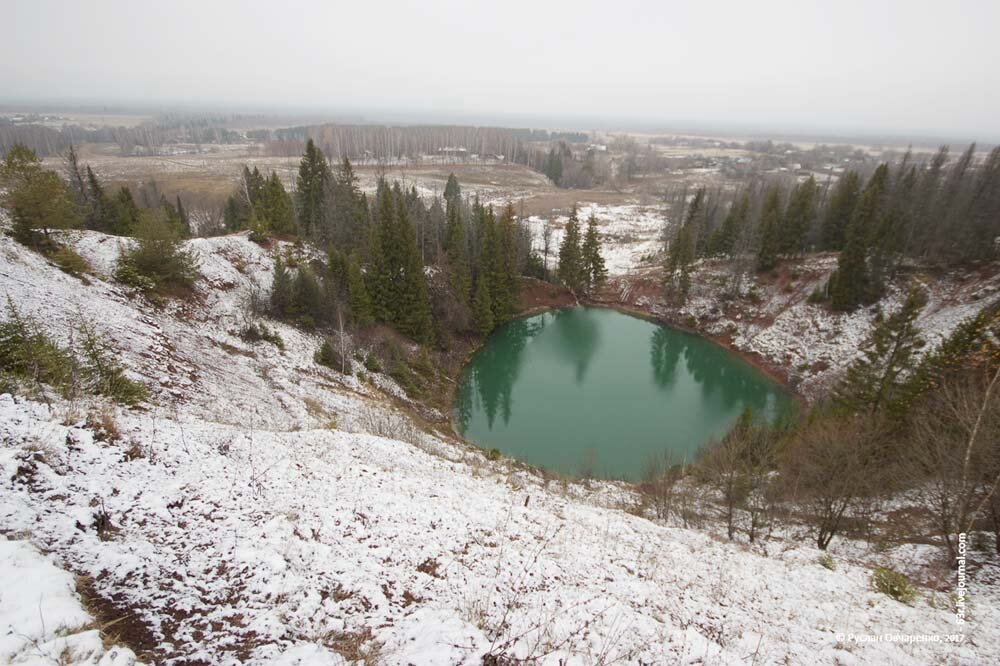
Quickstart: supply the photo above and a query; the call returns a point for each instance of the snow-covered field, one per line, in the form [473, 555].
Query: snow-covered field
[631, 234]
[260, 509]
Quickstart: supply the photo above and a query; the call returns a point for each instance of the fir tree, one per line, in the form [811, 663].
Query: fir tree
[849, 285]
[593, 263]
[452, 190]
[362, 312]
[347, 209]
[505, 280]
[838, 211]
[482, 311]
[277, 206]
[570, 269]
[679, 257]
[974, 343]
[281, 290]
[770, 231]
[877, 379]
[399, 287]
[798, 217]
[310, 191]
[724, 239]
[307, 298]
[456, 253]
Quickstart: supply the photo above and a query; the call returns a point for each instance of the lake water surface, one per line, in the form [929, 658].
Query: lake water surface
[592, 390]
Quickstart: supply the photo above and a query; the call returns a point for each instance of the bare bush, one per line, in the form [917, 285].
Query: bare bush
[953, 456]
[832, 465]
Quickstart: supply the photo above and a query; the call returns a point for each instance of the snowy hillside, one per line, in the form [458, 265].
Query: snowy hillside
[255, 511]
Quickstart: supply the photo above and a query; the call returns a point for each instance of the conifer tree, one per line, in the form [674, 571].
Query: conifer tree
[770, 231]
[452, 190]
[347, 209]
[456, 253]
[277, 206]
[414, 315]
[398, 285]
[798, 217]
[37, 199]
[596, 273]
[679, 257]
[849, 285]
[878, 377]
[482, 311]
[974, 343]
[838, 211]
[307, 298]
[362, 312]
[281, 290]
[570, 269]
[505, 280]
[310, 191]
[723, 240]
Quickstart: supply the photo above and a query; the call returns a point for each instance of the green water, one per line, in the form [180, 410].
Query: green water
[591, 390]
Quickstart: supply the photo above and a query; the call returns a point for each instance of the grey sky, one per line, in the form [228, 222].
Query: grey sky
[903, 66]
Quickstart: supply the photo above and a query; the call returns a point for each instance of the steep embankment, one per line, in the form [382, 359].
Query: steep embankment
[770, 320]
[250, 512]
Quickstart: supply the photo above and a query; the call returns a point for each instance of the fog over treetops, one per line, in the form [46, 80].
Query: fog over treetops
[895, 67]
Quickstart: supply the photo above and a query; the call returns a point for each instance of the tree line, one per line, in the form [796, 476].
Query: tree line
[939, 211]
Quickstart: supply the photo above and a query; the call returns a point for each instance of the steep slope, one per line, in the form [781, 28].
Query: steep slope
[240, 524]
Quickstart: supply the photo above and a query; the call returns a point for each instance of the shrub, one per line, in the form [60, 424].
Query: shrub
[816, 296]
[28, 353]
[371, 363]
[106, 376]
[255, 332]
[893, 584]
[826, 561]
[330, 356]
[70, 262]
[157, 262]
[493, 454]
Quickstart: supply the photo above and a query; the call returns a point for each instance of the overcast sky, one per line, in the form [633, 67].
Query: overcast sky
[900, 66]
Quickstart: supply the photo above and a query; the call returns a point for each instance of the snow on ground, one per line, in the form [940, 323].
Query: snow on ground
[812, 345]
[244, 524]
[630, 233]
[41, 619]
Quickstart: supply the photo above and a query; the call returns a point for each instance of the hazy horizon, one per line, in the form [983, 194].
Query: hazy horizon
[906, 69]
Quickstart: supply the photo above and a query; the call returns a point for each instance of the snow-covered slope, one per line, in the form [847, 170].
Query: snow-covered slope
[243, 523]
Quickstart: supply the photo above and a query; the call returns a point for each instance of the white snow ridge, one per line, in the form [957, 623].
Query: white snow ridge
[259, 509]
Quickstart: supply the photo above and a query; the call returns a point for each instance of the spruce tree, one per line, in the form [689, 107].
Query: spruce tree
[849, 285]
[877, 379]
[362, 312]
[310, 191]
[452, 190]
[596, 273]
[482, 311]
[414, 315]
[456, 253]
[770, 231]
[505, 283]
[570, 269]
[277, 206]
[798, 217]
[837, 214]
[281, 290]
[724, 238]
[677, 276]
